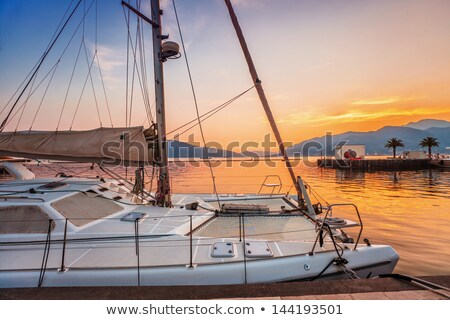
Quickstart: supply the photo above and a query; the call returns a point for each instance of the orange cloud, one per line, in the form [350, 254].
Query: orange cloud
[384, 100]
[352, 116]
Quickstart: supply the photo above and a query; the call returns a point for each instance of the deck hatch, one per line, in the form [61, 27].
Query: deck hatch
[257, 249]
[222, 250]
[85, 207]
[24, 219]
[133, 216]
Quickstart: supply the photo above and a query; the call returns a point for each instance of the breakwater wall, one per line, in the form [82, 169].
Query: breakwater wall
[379, 164]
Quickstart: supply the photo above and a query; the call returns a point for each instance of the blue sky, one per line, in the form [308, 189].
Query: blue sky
[334, 65]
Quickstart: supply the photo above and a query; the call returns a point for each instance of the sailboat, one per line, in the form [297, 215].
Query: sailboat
[69, 231]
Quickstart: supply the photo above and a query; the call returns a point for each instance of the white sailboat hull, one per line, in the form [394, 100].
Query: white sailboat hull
[82, 235]
[366, 262]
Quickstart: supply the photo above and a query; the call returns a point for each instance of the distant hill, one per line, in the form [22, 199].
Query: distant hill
[179, 149]
[375, 140]
[426, 124]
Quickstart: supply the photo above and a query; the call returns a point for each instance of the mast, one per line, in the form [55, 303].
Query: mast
[163, 192]
[262, 96]
[163, 196]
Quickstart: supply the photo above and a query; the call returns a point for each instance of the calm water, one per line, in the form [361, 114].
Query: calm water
[409, 210]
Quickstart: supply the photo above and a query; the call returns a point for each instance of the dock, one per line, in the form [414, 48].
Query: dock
[378, 164]
[385, 288]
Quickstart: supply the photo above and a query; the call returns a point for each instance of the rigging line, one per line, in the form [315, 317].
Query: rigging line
[17, 90]
[79, 50]
[45, 165]
[60, 22]
[26, 102]
[32, 69]
[62, 54]
[84, 22]
[206, 118]
[104, 90]
[98, 64]
[150, 121]
[139, 51]
[30, 92]
[81, 96]
[133, 72]
[23, 104]
[144, 71]
[143, 76]
[87, 62]
[128, 63]
[99, 174]
[132, 81]
[92, 81]
[316, 194]
[46, 253]
[78, 174]
[60, 57]
[211, 112]
[196, 105]
[135, 67]
[164, 243]
[218, 108]
[68, 87]
[2, 126]
[151, 178]
[117, 177]
[62, 169]
[20, 86]
[145, 121]
[76, 183]
[144, 88]
[43, 97]
[146, 77]
[75, 174]
[96, 24]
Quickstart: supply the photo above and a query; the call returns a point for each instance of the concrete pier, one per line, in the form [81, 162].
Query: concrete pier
[361, 289]
[379, 164]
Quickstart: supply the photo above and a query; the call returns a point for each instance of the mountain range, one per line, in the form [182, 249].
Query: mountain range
[410, 134]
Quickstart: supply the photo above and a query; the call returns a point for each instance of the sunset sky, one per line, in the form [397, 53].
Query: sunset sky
[326, 65]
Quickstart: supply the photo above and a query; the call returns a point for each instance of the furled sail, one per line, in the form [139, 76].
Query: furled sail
[106, 146]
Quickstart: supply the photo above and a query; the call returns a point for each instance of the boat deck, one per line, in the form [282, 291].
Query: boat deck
[163, 235]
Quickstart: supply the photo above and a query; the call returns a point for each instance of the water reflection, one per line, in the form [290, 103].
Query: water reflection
[349, 175]
[394, 177]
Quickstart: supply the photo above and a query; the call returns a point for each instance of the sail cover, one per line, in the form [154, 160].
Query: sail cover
[106, 146]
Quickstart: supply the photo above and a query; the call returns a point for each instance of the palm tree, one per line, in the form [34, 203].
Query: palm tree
[429, 142]
[394, 143]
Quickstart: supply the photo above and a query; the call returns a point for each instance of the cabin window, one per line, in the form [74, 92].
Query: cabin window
[83, 208]
[24, 219]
